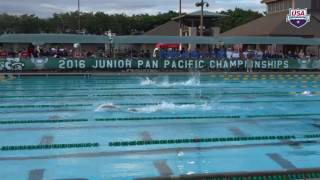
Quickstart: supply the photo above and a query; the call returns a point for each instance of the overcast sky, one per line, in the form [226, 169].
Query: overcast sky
[45, 8]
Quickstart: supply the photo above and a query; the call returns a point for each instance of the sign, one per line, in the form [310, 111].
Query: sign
[11, 64]
[95, 64]
[298, 17]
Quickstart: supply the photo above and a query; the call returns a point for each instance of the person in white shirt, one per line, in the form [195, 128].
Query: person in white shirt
[259, 54]
[235, 54]
[229, 53]
[245, 54]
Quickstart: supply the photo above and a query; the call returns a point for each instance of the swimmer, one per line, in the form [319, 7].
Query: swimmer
[133, 110]
[107, 107]
[307, 93]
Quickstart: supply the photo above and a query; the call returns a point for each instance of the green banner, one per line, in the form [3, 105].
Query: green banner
[90, 64]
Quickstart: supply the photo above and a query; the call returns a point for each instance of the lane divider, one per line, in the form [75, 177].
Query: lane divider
[174, 94]
[40, 96]
[228, 78]
[4, 122]
[152, 104]
[305, 79]
[293, 86]
[88, 105]
[50, 146]
[201, 140]
[145, 88]
[42, 121]
[281, 115]
[279, 101]
[312, 136]
[293, 174]
[45, 106]
[211, 140]
[166, 118]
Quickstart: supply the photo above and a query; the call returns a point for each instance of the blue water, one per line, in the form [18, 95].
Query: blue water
[263, 105]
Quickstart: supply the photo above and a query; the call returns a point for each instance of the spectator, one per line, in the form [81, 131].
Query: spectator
[290, 54]
[259, 55]
[229, 53]
[147, 54]
[24, 54]
[235, 54]
[216, 51]
[3, 54]
[301, 54]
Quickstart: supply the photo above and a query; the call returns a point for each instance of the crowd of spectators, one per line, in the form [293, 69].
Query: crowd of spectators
[215, 53]
[231, 53]
[56, 52]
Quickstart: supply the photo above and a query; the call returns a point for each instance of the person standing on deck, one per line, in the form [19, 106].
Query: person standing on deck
[248, 57]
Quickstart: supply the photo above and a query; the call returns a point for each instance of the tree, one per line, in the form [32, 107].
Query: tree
[236, 18]
[99, 22]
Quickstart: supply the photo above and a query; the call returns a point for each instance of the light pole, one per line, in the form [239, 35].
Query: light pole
[201, 4]
[180, 11]
[79, 19]
[180, 22]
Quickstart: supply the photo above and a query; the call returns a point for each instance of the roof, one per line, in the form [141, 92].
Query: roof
[164, 39]
[170, 28]
[95, 39]
[215, 40]
[275, 25]
[206, 14]
[268, 1]
[53, 38]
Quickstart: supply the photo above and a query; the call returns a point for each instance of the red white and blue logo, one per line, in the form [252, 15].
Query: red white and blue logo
[298, 17]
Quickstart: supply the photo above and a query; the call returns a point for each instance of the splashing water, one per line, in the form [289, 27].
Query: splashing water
[180, 153]
[147, 82]
[194, 81]
[106, 107]
[306, 93]
[164, 106]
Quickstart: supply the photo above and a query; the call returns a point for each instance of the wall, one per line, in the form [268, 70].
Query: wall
[316, 4]
[303, 4]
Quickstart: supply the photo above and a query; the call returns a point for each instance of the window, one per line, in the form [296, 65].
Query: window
[272, 7]
[281, 5]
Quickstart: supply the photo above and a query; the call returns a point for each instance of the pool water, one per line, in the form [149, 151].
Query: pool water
[116, 110]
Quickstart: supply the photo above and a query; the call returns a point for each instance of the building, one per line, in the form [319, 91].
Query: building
[275, 24]
[190, 26]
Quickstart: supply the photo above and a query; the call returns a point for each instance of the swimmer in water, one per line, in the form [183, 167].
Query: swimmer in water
[107, 107]
[133, 110]
[112, 107]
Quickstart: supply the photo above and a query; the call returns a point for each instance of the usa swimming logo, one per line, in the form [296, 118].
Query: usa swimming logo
[298, 17]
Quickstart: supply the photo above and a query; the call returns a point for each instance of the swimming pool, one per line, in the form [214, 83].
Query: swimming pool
[126, 127]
